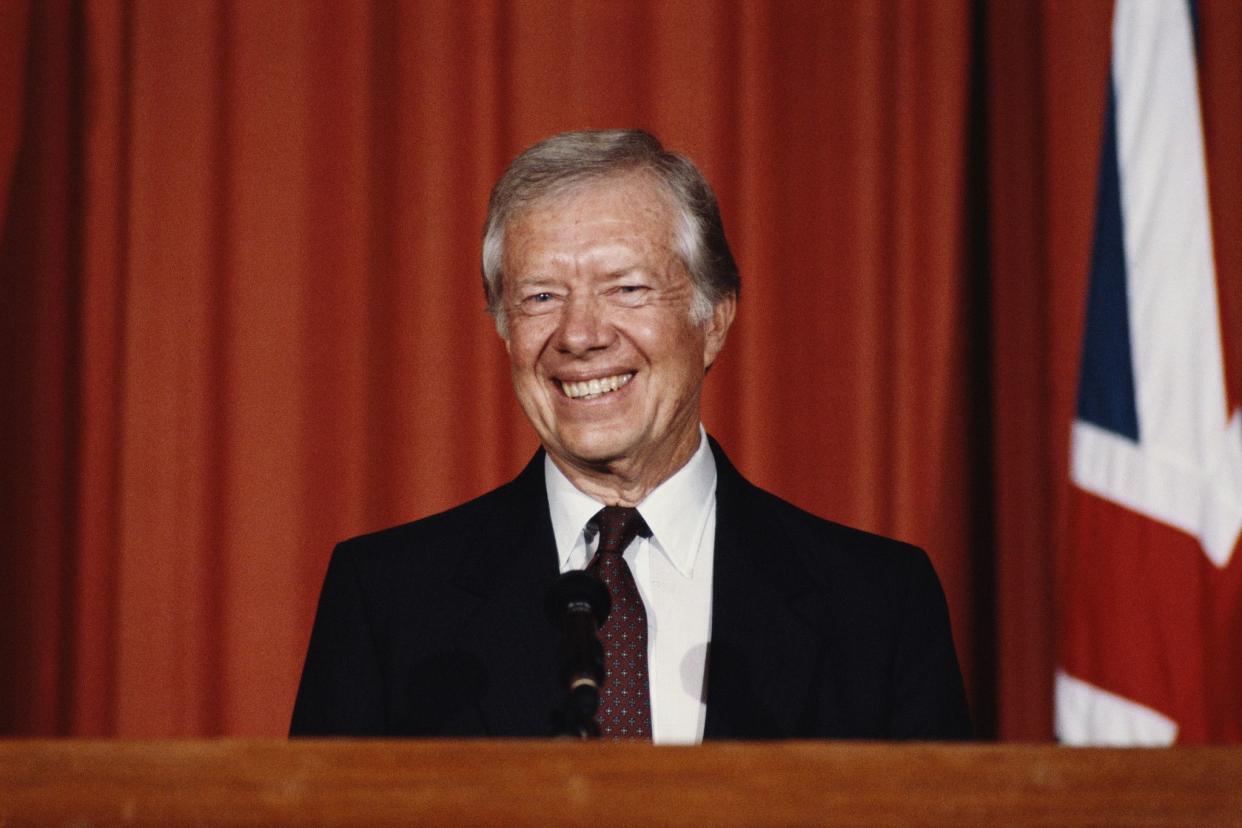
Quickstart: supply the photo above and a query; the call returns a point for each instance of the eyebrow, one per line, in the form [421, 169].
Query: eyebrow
[534, 281]
[623, 272]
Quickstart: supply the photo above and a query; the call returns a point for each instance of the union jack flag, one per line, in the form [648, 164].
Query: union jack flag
[1150, 635]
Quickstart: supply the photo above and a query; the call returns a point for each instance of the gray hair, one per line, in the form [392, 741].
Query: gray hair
[560, 163]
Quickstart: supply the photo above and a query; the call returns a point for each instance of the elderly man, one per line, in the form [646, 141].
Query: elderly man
[735, 614]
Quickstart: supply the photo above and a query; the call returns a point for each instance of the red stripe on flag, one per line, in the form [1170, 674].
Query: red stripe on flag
[1220, 67]
[1147, 616]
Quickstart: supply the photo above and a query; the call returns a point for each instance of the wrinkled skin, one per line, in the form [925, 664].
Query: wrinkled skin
[594, 289]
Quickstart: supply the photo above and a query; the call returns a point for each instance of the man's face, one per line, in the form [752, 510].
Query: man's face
[605, 359]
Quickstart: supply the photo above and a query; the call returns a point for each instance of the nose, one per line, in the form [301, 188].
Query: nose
[583, 326]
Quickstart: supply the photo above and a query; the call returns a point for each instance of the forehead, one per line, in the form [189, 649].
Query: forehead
[634, 208]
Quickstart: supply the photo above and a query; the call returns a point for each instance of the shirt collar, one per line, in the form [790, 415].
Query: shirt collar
[570, 507]
[675, 511]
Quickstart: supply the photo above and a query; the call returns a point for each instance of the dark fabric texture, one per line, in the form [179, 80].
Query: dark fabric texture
[436, 627]
[625, 699]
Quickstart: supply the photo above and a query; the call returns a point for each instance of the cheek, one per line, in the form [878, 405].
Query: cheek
[524, 346]
[684, 348]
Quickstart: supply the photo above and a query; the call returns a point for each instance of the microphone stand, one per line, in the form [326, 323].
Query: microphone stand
[578, 603]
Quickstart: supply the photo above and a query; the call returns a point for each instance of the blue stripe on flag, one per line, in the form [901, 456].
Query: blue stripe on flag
[1192, 7]
[1106, 384]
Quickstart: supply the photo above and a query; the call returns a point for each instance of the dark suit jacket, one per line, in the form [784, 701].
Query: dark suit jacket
[437, 627]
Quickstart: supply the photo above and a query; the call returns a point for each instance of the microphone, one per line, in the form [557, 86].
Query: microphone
[577, 604]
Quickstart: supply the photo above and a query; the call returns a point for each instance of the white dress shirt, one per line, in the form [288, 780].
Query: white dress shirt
[673, 570]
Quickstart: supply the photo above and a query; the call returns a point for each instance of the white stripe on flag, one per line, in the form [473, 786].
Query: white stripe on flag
[1089, 715]
[1202, 501]
[1187, 467]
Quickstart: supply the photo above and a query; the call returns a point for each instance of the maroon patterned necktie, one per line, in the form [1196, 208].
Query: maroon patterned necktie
[625, 702]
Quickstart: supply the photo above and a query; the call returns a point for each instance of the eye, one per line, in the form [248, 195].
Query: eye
[631, 291]
[631, 294]
[538, 301]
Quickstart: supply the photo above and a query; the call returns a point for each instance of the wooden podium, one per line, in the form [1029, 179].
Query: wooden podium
[378, 783]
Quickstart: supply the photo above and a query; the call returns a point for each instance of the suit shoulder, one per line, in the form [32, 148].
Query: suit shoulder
[820, 542]
[461, 527]
[471, 513]
[807, 524]
[828, 548]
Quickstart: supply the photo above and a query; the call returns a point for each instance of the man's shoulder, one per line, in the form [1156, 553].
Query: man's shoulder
[477, 522]
[832, 543]
[802, 522]
[826, 548]
[760, 505]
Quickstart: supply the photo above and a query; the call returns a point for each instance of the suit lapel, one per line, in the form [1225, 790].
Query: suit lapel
[762, 659]
[502, 589]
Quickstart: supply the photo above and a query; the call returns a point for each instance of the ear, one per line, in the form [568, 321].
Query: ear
[717, 328]
[502, 328]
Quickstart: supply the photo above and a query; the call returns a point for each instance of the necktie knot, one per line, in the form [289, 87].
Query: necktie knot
[617, 526]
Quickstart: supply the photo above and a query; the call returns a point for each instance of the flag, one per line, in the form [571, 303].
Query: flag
[1149, 610]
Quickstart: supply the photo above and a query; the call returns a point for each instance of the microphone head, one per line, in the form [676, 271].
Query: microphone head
[576, 590]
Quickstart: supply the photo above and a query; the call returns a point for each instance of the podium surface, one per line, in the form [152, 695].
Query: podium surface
[513, 782]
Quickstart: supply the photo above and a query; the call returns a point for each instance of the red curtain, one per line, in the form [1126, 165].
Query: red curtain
[240, 312]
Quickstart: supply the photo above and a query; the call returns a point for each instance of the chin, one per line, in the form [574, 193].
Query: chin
[594, 456]
[595, 451]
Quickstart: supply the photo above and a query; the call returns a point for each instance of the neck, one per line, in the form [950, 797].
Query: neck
[627, 482]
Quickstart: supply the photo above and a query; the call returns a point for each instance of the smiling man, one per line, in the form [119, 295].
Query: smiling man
[606, 340]
[735, 614]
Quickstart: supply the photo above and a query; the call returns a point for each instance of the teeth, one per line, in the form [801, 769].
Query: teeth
[589, 389]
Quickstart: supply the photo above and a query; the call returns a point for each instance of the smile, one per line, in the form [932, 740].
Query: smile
[590, 389]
